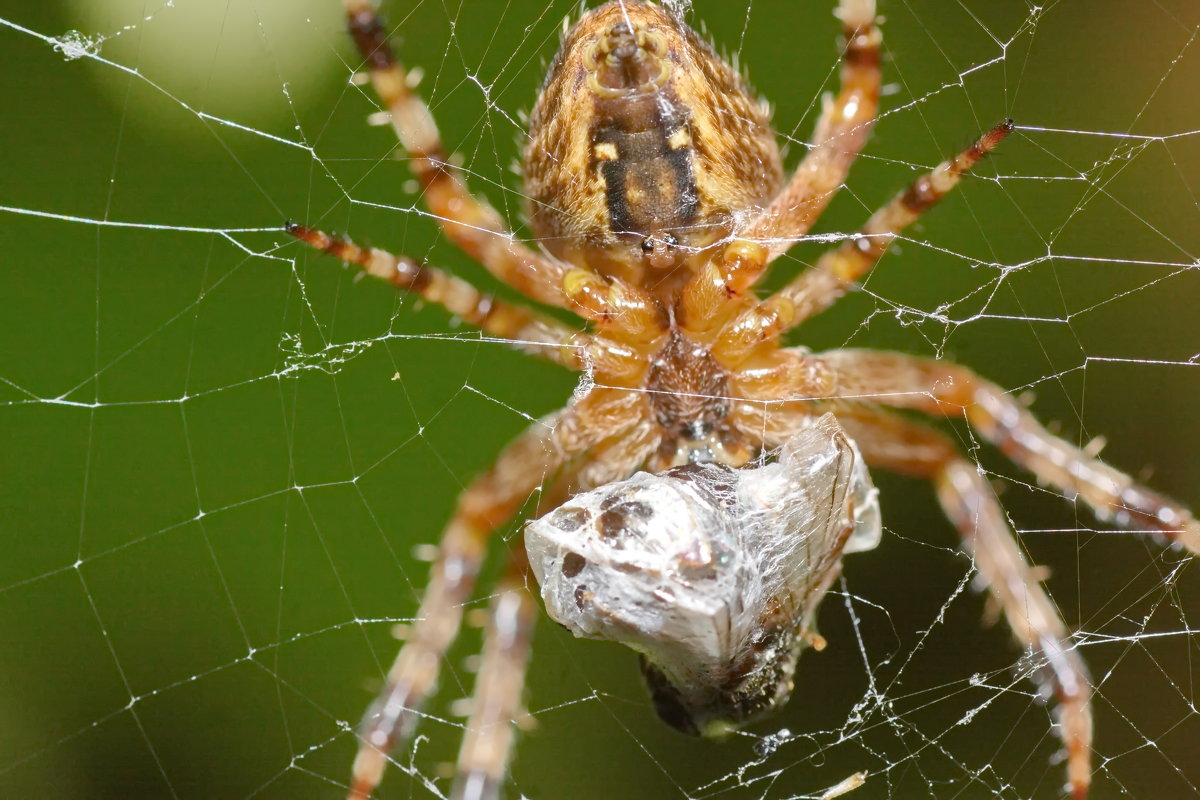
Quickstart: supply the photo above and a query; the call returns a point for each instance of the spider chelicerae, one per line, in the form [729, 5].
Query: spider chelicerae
[698, 495]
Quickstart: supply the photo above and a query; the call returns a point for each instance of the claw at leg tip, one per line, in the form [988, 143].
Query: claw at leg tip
[366, 772]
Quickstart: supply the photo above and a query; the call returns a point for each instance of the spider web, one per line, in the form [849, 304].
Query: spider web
[221, 453]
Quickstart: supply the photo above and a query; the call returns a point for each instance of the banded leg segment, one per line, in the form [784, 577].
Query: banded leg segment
[818, 287]
[541, 454]
[893, 443]
[934, 387]
[496, 703]
[840, 134]
[489, 502]
[974, 510]
[528, 330]
[469, 222]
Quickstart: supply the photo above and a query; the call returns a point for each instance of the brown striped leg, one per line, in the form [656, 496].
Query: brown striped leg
[486, 504]
[527, 330]
[935, 387]
[972, 506]
[839, 136]
[891, 442]
[538, 455]
[841, 132]
[496, 704]
[469, 222]
[817, 288]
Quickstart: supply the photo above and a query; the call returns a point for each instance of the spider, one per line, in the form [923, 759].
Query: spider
[699, 492]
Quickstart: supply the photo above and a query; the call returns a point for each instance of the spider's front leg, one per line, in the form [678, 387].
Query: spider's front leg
[486, 504]
[891, 442]
[491, 500]
[469, 222]
[496, 701]
[942, 389]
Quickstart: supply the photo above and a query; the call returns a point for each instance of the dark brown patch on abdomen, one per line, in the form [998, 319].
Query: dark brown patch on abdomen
[649, 186]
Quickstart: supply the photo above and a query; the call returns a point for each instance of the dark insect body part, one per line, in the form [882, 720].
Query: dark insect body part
[699, 496]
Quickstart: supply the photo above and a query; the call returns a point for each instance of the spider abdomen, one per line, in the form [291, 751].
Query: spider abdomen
[642, 145]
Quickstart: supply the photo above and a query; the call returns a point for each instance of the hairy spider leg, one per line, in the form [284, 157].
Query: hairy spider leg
[755, 331]
[819, 287]
[491, 500]
[840, 133]
[972, 506]
[738, 332]
[527, 330]
[949, 390]
[469, 222]
[488, 742]
[891, 442]
[495, 704]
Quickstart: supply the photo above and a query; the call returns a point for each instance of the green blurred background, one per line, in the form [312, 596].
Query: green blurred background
[218, 451]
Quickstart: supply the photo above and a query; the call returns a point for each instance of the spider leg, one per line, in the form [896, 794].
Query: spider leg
[528, 330]
[487, 503]
[467, 221]
[818, 287]
[972, 506]
[891, 442]
[840, 134]
[496, 702]
[934, 387]
[490, 501]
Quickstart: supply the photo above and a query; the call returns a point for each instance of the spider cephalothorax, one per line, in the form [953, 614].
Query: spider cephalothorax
[707, 479]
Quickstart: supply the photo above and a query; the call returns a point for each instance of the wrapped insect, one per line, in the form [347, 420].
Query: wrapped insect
[712, 574]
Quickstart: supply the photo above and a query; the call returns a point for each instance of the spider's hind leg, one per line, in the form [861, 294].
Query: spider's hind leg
[820, 286]
[840, 134]
[468, 221]
[527, 330]
[841, 131]
[824, 283]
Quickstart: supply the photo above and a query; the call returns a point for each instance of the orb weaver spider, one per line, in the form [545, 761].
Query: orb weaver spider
[700, 493]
